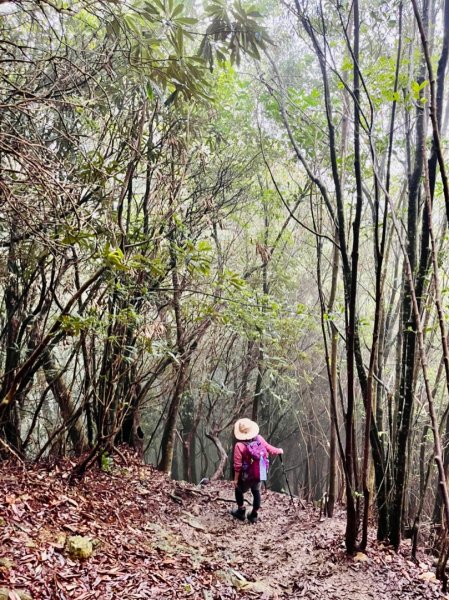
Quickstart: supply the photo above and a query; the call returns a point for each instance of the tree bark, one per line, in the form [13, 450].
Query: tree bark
[64, 400]
[168, 436]
[213, 436]
[10, 419]
[332, 489]
[258, 393]
[29, 365]
[409, 324]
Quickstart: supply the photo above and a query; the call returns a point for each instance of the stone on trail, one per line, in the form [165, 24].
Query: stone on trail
[6, 594]
[7, 563]
[78, 546]
[427, 576]
[361, 557]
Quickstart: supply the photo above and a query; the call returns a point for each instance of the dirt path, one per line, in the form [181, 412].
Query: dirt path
[155, 538]
[290, 553]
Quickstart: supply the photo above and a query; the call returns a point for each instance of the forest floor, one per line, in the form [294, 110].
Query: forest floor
[157, 538]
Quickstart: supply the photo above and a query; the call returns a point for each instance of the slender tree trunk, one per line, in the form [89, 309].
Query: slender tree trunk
[424, 473]
[422, 355]
[22, 374]
[409, 325]
[258, 390]
[168, 436]
[265, 256]
[182, 365]
[349, 287]
[350, 450]
[436, 158]
[439, 459]
[382, 474]
[331, 364]
[64, 400]
[10, 420]
[332, 490]
[436, 95]
[131, 432]
[219, 471]
[190, 423]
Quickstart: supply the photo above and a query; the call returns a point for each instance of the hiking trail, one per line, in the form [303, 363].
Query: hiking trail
[151, 537]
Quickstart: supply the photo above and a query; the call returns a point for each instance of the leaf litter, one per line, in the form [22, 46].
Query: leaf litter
[156, 538]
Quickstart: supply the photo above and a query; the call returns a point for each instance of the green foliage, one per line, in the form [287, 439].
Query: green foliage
[157, 34]
[73, 236]
[107, 462]
[417, 88]
[231, 279]
[73, 325]
[114, 258]
[196, 257]
[161, 36]
[234, 31]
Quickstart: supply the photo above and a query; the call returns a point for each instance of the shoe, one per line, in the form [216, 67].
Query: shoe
[252, 517]
[239, 513]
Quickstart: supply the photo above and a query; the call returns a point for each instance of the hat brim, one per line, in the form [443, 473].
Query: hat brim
[249, 435]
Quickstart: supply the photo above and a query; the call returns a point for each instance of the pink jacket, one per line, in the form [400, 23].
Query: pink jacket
[239, 449]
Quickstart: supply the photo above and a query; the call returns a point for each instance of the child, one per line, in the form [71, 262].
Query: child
[249, 449]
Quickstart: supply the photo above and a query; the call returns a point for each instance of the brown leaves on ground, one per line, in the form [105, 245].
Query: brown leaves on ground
[156, 538]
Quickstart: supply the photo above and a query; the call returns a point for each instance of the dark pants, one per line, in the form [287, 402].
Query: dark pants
[243, 487]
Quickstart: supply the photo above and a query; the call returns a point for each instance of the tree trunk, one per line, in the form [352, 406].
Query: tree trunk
[264, 252]
[131, 431]
[437, 516]
[436, 157]
[409, 325]
[350, 450]
[21, 376]
[190, 422]
[332, 489]
[64, 400]
[212, 435]
[168, 436]
[9, 422]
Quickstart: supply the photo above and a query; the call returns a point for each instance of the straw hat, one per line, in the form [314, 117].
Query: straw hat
[245, 429]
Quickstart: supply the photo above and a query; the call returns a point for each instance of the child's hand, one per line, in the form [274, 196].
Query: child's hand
[281, 451]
